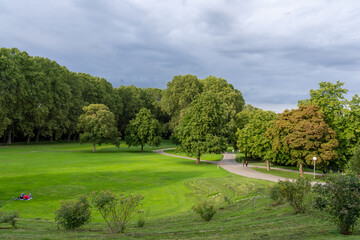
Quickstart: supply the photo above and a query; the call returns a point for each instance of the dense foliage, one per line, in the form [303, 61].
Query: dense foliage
[302, 134]
[205, 209]
[143, 129]
[73, 214]
[97, 126]
[251, 134]
[354, 163]
[295, 193]
[203, 128]
[341, 114]
[42, 100]
[340, 198]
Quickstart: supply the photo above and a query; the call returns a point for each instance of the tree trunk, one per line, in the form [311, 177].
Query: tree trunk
[69, 137]
[94, 147]
[142, 148]
[198, 159]
[4, 140]
[268, 165]
[28, 139]
[51, 138]
[75, 137]
[9, 136]
[37, 136]
[301, 170]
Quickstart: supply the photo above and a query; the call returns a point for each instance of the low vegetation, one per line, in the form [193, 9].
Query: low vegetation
[73, 214]
[205, 209]
[340, 198]
[116, 209]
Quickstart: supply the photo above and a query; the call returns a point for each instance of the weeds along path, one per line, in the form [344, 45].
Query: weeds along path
[229, 164]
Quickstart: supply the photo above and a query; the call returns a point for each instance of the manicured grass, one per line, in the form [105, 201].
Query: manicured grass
[232, 222]
[55, 172]
[209, 157]
[292, 175]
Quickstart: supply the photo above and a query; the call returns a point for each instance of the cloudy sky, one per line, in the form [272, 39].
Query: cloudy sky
[273, 51]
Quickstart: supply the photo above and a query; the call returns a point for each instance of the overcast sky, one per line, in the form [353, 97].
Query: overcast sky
[273, 51]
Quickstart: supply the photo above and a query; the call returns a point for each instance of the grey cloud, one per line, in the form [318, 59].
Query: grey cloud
[274, 52]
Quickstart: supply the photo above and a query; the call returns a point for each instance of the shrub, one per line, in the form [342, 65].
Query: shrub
[116, 210]
[276, 194]
[10, 218]
[340, 198]
[205, 209]
[294, 192]
[73, 214]
[141, 218]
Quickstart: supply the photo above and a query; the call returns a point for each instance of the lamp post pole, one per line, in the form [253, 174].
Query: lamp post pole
[314, 158]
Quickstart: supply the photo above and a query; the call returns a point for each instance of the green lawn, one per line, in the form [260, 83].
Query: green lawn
[55, 172]
[209, 157]
[285, 174]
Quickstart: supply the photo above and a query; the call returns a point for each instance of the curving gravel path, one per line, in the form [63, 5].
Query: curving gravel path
[229, 164]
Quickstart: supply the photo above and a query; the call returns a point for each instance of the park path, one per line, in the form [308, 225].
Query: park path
[229, 164]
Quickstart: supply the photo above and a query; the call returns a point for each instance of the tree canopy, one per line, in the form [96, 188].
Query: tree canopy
[302, 134]
[203, 128]
[143, 129]
[97, 125]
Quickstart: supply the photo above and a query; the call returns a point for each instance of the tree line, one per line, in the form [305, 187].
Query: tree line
[41, 100]
[325, 126]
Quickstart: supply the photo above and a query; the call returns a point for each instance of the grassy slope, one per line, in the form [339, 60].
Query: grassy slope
[65, 171]
[285, 174]
[209, 157]
[170, 186]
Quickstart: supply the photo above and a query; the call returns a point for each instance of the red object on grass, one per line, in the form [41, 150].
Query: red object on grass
[26, 197]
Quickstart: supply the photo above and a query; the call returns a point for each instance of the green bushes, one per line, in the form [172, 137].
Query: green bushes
[340, 197]
[73, 214]
[294, 192]
[115, 209]
[10, 218]
[205, 209]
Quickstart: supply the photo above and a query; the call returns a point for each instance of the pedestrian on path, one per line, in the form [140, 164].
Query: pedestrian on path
[246, 162]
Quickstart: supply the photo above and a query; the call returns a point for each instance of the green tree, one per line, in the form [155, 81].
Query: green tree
[13, 88]
[179, 94]
[203, 128]
[252, 139]
[143, 129]
[334, 106]
[340, 198]
[98, 126]
[232, 99]
[353, 164]
[302, 134]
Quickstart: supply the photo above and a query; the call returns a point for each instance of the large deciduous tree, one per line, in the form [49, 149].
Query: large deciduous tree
[179, 94]
[251, 137]
[98, 126]
[143, 129]
[203, 127]
[303, 134]
[334, 106]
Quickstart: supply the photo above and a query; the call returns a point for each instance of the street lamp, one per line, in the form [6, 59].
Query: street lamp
[314, 158]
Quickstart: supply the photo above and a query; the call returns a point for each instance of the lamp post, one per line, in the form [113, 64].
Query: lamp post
[314, 158]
